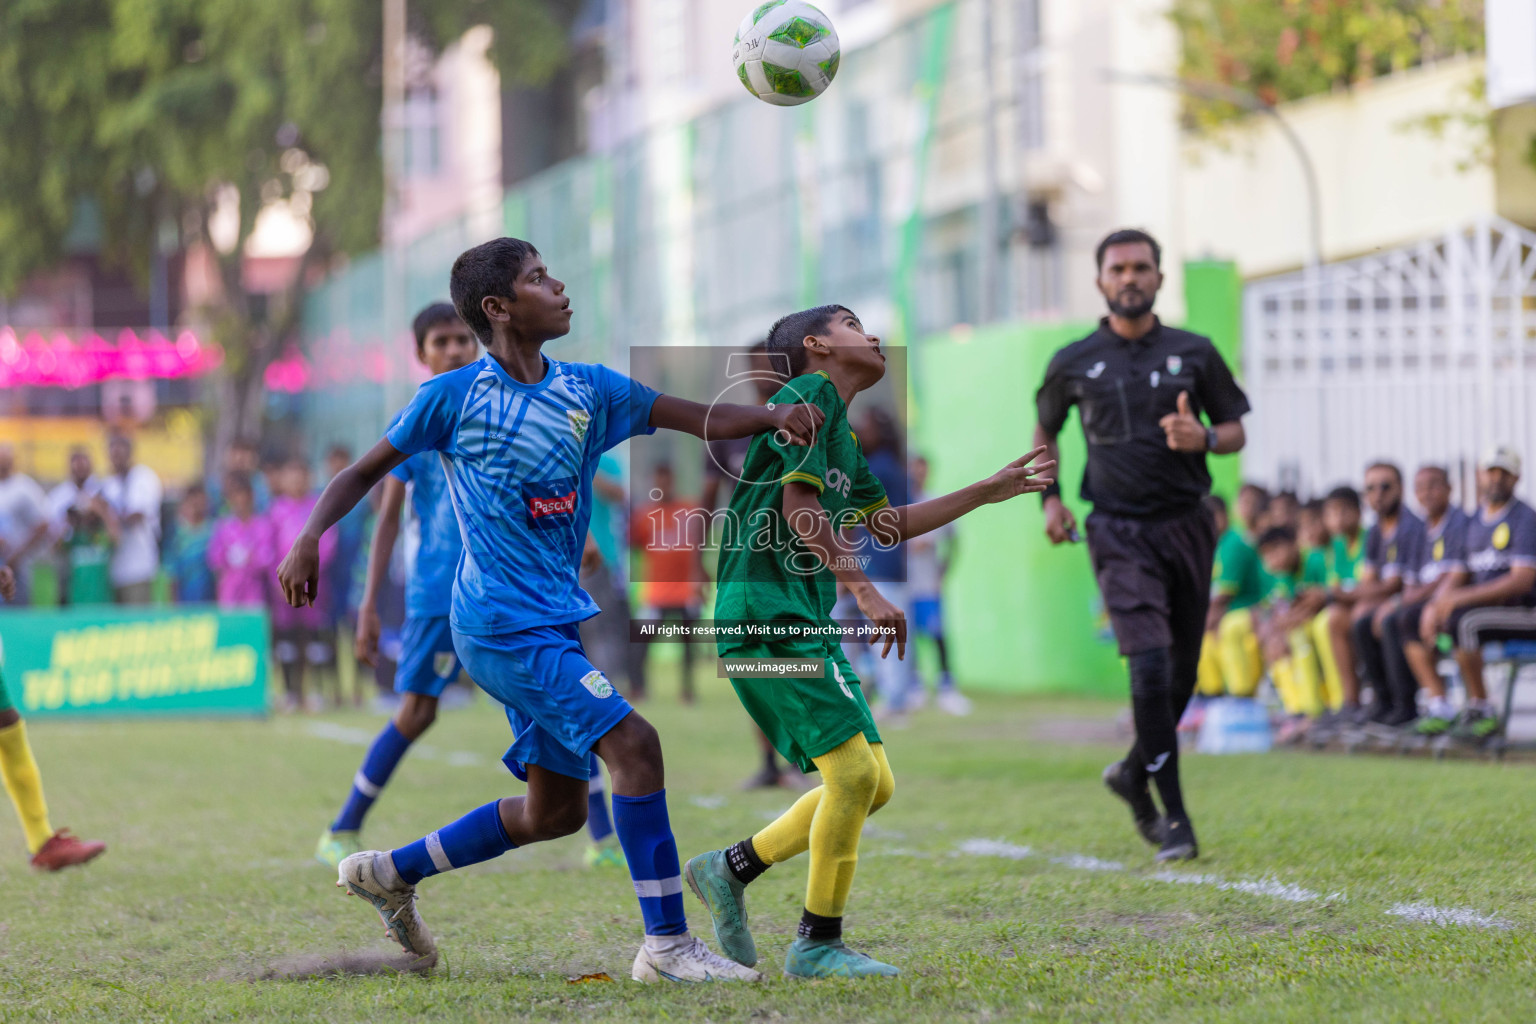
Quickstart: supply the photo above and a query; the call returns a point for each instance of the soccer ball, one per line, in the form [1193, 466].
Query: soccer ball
[786, 52]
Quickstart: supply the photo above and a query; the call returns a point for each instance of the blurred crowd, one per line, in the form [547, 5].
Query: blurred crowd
[1363, 616]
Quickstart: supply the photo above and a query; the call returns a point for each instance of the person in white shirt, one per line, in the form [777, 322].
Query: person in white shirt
[134, 493]
[23, 522]
[75, 492]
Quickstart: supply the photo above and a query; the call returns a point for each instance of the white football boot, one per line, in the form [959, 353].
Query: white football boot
[688, 959]
[371, 875]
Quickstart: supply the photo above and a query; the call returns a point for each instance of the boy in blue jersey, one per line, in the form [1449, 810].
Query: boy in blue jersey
[519, 436]
[428, 663]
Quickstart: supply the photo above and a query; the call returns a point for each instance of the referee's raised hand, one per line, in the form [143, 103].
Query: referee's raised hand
[1184, 430]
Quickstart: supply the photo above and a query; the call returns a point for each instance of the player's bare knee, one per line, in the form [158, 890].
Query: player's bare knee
[9, 717]
[416, 715]
[560, 820]
[632, 751]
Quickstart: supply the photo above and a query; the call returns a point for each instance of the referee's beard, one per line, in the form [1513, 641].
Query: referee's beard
[1131, 304]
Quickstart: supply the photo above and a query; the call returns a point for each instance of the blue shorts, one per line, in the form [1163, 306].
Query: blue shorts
[557, 704]
[428, 662]
[927, 616]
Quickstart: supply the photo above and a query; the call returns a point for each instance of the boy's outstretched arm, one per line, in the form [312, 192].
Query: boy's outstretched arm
[724, 421]
[1023, 475]
[299, 572]
[809, 521]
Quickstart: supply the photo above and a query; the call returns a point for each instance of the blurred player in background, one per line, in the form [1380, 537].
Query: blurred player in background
[518, 435]
[1151, 541]
[797, 509]
[50, 850]
[668, 534]
[298, 633]
[928, 560]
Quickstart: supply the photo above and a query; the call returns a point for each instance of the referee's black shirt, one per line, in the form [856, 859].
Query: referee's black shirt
[1124, 388]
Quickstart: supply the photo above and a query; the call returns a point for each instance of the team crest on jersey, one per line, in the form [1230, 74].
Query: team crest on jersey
[1175, 364]
[1501, 536]
[1095, 370]
[597, 684]
[579, 420]
[445, 665]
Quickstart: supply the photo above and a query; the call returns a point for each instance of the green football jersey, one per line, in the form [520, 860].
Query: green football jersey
[1239, 573]
[1344, 561]
[1310, 574]
[765, 571]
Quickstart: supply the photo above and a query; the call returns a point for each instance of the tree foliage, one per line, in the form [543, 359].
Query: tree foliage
[1287, 49]
[149, 110]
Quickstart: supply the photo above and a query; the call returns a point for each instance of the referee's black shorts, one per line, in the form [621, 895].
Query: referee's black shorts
[1155, 577]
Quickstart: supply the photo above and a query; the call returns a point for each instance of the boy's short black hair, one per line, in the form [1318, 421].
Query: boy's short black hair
[1346, 494]
[194, 489]
[487, 269]
[1276, 535]
[788, 333]
[1315, 507]
[1215, 503]
[437, 313]
[1390, 467]
[1128, 236]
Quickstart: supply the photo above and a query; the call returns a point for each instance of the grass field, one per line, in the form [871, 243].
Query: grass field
[1002, 879]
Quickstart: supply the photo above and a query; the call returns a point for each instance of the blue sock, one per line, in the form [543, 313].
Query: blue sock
[386, 752]
[477, 836]
[646, 836]
[599, 825]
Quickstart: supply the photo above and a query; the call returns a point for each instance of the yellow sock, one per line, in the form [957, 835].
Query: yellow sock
[1322, 643]
[790, 834]
[1308, 672]
[18, 770]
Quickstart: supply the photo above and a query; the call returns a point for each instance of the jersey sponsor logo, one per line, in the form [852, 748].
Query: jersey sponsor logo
[1096, 370]
[579, 419]
[1501, 536]
[597, 684]
[552, 506]
[839, 481]
[1487, 560]
[1175, 364]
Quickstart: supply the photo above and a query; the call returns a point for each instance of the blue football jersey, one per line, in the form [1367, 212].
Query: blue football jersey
[519, 461]
[435, 562]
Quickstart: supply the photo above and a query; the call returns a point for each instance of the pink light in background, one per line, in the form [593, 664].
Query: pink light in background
[38, 362]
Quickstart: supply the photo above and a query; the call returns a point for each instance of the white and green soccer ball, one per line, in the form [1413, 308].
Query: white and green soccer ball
[786, 52]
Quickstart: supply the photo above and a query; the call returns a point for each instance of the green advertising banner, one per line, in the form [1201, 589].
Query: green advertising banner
[190, 660]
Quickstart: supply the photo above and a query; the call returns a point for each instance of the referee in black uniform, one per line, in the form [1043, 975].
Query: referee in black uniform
[1141, 388]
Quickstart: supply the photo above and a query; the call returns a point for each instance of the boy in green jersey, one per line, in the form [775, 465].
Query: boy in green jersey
[789, 542]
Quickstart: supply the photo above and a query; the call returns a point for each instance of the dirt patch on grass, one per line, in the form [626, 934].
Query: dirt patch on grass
[303, 966]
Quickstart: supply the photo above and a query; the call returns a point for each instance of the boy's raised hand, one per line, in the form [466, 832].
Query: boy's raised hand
[1021, 476]
[882, 613]
[299, 573]
[797, 423]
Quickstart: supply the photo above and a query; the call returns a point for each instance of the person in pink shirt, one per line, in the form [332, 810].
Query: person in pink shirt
[300, 634]
[241, 553]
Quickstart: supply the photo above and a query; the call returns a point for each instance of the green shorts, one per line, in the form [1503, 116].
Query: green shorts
[805, 718]
[5, 698]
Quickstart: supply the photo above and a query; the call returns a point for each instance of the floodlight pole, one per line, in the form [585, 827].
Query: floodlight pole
[391, 308]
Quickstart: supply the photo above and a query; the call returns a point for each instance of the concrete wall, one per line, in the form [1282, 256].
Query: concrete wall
[1382, 182]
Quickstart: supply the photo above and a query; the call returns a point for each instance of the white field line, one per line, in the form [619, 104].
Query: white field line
[1419, 913]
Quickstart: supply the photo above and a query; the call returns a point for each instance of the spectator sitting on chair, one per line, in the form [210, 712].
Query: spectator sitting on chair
[1345, 552]
[133, 491]
[1294, 606]
[1494, 597]
[1391, 558]
[1442, 550]
[1230, 659]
